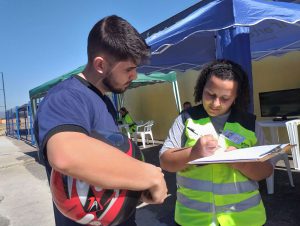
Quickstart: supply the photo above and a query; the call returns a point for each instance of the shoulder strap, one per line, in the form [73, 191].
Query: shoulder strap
[195, 113]
[246, 119]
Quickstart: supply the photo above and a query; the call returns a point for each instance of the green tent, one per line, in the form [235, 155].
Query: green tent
[41, 90]
[142, 79]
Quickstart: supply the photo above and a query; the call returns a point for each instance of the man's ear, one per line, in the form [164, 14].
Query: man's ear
[98, 64]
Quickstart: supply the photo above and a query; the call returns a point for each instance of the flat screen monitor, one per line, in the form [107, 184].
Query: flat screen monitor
[280, 104]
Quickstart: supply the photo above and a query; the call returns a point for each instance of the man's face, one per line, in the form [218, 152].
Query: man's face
[119, 76]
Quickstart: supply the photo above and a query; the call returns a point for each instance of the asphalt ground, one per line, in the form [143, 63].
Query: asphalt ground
[25, 198]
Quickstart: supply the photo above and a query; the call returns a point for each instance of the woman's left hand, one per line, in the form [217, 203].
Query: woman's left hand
[235, 165]
[253, 170]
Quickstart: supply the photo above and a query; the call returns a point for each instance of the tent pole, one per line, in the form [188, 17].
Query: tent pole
[176, 95]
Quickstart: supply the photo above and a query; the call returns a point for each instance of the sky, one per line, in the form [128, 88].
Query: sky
[41, 39]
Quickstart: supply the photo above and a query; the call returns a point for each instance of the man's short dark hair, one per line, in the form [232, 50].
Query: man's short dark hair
[120, 40]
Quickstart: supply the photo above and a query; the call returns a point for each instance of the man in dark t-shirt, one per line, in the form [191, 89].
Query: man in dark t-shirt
[78, 107]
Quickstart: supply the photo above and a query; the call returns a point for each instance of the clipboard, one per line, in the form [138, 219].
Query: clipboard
[251, 154]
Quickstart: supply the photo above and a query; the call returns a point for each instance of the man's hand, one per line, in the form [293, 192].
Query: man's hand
[158, 192]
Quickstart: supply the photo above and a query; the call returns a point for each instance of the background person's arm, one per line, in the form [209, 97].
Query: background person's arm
[97, 163]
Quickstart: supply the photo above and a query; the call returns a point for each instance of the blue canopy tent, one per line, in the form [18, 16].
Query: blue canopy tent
[240, 30]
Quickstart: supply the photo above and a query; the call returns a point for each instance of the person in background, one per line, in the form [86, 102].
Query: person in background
[127, 119]
[216, 194]
[77, 107]
[186, 105]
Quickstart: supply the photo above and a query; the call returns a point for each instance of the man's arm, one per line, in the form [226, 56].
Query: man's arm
[97, 163]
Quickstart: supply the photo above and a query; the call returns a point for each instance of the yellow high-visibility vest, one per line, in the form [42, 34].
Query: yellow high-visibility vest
[128, 120]
[216, 194]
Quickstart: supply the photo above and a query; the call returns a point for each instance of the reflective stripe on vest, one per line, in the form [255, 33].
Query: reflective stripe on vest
[219, 189]
[208, 207]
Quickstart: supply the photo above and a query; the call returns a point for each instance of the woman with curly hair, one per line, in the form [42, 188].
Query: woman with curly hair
[216, 194]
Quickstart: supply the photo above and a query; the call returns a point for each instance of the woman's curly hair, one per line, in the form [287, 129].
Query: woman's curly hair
[225, 70]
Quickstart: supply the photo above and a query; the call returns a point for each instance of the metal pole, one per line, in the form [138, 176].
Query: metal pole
[4, 102]
[3, 92]
[177, 96]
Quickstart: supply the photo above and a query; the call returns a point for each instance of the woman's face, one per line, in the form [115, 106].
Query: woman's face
[218, 95]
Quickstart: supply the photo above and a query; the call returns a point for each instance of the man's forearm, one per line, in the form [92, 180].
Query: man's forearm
[98, 163]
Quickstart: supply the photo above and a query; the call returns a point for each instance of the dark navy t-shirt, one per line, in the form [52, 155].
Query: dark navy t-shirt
[72, 105]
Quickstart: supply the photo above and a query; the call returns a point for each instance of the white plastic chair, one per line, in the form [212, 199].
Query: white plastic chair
[142, 131]
[270, 179]
[292, 128]
[140, 122]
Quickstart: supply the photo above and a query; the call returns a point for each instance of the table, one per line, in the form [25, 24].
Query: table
[273, 127]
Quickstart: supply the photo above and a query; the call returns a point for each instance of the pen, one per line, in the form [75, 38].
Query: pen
[193, 131]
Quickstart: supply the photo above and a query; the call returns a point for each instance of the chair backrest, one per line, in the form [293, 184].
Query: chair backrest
[140, 122]
[292, 128]
[148, 126]
[293, 131]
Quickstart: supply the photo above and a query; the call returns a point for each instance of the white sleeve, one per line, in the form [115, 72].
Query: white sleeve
[176, 137]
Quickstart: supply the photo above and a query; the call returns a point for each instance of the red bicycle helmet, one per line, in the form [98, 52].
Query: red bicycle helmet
[87, 204]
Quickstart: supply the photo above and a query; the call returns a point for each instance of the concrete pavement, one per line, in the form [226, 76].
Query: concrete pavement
[25, 198]
[12, 153]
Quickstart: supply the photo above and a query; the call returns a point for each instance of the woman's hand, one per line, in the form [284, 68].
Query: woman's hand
[205, 146]
[253, 170]
[235, 165]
